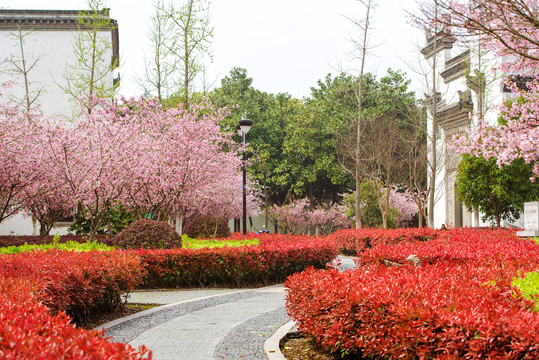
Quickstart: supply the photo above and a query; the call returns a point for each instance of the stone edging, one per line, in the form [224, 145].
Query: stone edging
[272, 345]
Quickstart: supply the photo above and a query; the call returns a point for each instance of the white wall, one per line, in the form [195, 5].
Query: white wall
[54, 49]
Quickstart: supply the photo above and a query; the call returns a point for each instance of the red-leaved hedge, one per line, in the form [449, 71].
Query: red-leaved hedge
[30, 331]
[458, 304]
[271, 262]
[354, 241]
[458, 245]
[78, 283]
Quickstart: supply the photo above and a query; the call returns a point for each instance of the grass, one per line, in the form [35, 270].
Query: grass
[190, 243]
[529, 287]
[70, 245]
[140, 307]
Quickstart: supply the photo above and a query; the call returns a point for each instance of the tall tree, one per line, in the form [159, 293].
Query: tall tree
[192, 42]
[293, 141]
[415, 158]
[20, 65]
[270, 114]
[310, 163]
[91, 73]
[161, 74]
[385, 122]
[359, 52]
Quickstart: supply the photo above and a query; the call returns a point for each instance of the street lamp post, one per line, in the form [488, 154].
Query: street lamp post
[243, 127]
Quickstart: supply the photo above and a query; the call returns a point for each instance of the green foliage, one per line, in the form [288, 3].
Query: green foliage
[270, 114]
[119, 219]
[529, 287]
[148, 234]
[208, 227]
[295, 141]
[70, 245]
[499, 193]
[310, 162]
[203, 243]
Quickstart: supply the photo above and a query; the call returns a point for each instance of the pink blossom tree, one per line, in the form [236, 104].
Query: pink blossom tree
[292, 218]
[328, 218]
[157, 162]
[510, 28]
[405, 206]
[47, 201]
[88, 157]
[134, 152]
[20, 158]
[299, 217]
[183, 162]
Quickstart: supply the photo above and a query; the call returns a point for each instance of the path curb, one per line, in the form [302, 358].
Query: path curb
[272, 345]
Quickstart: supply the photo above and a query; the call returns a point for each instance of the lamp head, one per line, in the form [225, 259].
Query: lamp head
[245, 124]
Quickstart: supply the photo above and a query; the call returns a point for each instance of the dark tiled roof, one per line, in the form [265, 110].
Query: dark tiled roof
[40, 20]
[437, 43]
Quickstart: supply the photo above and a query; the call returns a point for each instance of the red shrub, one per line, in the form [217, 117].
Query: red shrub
[76, 282]
[354, 241]
[443, 311]
[30, 331]
[458, 304]
[456, 246]
[148, 234]
[270, 262]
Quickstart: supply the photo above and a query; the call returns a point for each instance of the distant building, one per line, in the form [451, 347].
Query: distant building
[465, 84]
[50, 47]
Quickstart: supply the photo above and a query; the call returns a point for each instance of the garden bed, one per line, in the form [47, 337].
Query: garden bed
[87, 285]
[460, 303]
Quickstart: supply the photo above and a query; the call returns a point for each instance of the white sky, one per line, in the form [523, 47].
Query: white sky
[285, 45]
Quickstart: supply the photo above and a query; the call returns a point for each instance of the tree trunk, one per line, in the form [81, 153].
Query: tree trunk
[434, 140]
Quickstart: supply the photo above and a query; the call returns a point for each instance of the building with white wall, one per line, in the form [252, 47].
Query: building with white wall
[48, 47]
[465, 84]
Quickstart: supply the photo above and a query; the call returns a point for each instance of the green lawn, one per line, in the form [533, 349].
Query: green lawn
[190, 243]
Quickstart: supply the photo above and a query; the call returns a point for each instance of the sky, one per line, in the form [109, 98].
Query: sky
[285, 45]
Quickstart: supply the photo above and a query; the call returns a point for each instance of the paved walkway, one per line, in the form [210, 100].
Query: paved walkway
[205, 324]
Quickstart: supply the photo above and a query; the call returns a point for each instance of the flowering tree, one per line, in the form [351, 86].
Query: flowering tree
[328, 218]
[19, 158]
[292, 218]
[405, 206]
[510, 29]
[298, 217]
[189, 167]
[87, 157]
[48, 201]
[157, 162]
[152, 160]
[223, 199]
